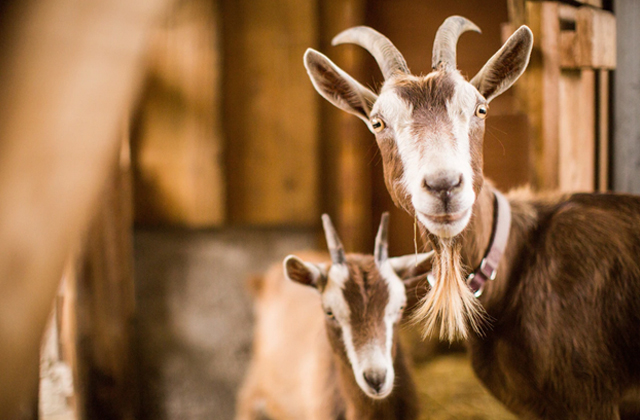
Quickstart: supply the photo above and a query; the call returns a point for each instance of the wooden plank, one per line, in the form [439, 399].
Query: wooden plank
[345, 141]
[626, 147]
[270, 113]
[178, 140]
[592, 43]
[603, 130]
[577, 147]
[67, 73]
[539, 87]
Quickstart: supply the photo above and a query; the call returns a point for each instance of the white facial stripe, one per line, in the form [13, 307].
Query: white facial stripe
[434, 150]
[332, 296]
[397, 299]
[373, 356]
[460, 109]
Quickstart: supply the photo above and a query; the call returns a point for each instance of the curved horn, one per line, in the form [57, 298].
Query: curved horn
[386, 54]
[381, 250]
[444, 46]
[333, 241]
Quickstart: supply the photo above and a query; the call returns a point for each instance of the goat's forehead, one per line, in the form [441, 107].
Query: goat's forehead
[358, 285]
[434, 92]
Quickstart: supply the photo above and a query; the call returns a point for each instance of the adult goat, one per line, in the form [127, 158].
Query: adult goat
[555, 335]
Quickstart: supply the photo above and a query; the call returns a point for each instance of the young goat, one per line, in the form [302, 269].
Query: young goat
[327, 347]
[562, 336]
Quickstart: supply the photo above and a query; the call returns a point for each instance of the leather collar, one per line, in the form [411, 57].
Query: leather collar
[488, 267]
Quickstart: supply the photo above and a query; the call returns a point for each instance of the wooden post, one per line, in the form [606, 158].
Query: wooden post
[270, 112]
[177, 144]
[604, 136]
[67, 72]
[541, 86]
[571, 45]
[346, 142]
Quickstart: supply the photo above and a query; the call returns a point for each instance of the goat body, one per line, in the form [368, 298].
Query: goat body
[561, 339]
[565, 310]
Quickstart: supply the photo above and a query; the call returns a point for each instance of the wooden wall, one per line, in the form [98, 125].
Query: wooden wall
[230, 130]
[565, 94]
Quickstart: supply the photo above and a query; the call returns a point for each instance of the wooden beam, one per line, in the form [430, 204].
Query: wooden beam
[67, 72]
[178, 140]
[603, 130]
[577, 145]
[270, 112]
[345, 140]
[540, 86]
[593, 42]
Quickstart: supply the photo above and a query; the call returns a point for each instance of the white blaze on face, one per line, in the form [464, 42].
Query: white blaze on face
[440, 147]
[375, 355]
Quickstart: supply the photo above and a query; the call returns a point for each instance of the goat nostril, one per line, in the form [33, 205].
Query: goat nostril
[442, 184]
[375, 379]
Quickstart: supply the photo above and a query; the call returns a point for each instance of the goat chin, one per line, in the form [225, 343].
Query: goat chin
[450, 308]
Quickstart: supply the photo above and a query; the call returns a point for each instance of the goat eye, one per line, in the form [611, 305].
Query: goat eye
[329, 314]
[481, 111]
[377, 124]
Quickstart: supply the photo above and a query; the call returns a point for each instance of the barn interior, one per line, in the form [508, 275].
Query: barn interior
[158, 155]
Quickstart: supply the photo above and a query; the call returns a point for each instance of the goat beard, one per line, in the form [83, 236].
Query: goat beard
[449, 308]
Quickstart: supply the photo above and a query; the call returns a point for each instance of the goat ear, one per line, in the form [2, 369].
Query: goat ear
[506, 66]
[412, 270]
[338, 87]
[305, 273]
[412, 265]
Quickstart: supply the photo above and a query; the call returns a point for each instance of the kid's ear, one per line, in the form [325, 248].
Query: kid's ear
[506, 66]
[337, 87]
[412, 270]
[412, 265]
[305, 273]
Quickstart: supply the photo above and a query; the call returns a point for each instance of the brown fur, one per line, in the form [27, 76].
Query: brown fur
[565, 309]
[300, 370]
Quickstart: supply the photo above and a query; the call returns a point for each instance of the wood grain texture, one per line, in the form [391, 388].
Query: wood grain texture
[577, 147]
[347, 145]
[603, 135]
[271, 112]
[540, 87]
[177, 135]
[593, 42]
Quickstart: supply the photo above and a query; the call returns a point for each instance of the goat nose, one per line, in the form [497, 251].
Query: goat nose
[375, 378]
[442, 184]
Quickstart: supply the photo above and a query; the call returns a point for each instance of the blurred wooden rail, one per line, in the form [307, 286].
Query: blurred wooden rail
[67, 74]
